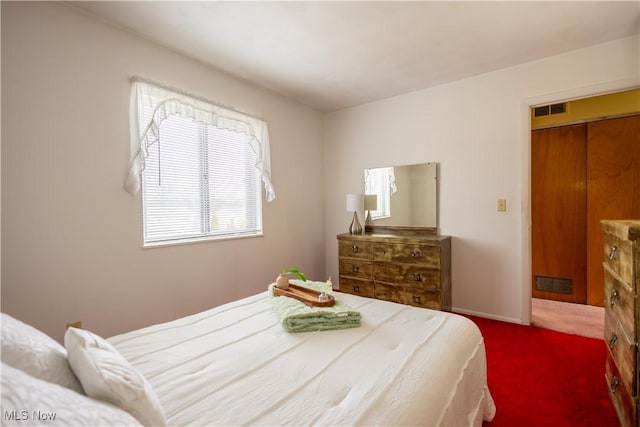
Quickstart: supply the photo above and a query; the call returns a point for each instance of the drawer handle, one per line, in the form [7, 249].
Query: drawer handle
[417, 277]
[615, 385]
[416, 299]
[354, 249]
[356, 288]
[612, 252]
[612, 341]
[356, 268]
[416, 254]
[614, 297]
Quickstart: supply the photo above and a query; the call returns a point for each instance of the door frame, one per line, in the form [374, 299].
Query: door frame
[524, 112]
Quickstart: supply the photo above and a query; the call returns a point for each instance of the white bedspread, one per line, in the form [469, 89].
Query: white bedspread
[235, 365]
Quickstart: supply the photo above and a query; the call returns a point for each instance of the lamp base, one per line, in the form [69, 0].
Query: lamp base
[355, 227]
[368, 221]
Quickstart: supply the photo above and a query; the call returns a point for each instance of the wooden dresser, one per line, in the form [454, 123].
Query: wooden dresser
[622, 316]
[400, 265]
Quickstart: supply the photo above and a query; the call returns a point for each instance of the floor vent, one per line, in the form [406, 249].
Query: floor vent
[547, 110]
[554, 284]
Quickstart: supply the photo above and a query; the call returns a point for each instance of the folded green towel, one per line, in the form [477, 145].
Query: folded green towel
[298, 317]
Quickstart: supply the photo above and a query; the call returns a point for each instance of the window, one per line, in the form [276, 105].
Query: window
[380, 181]
[200, 174]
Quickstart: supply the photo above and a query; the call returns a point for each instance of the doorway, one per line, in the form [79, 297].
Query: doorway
[581, 172]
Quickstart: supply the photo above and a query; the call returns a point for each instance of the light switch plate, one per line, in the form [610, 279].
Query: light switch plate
[502, 205]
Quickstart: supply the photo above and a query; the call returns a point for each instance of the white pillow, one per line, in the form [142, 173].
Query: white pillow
[28, 349]
[106, 375]
[29, 401]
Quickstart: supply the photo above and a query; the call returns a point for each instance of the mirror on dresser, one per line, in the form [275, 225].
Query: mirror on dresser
[400, 257]
[407, 196]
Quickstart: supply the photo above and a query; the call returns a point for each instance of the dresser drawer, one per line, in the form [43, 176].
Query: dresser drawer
[622, 350]
[618, 256]
[363, 288]
[355, 249]
[622, 400]
[408, 274]
[407, 253]
[356, 268]
[408, 295]
[619, 299]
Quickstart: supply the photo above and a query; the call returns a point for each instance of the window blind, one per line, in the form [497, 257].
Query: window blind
[199, 181]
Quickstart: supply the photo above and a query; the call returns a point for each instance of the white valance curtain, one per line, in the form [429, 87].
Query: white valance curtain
[380, 180]
[392, 180]
[164, 102]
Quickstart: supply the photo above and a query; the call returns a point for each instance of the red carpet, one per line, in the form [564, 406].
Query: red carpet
[544, 378]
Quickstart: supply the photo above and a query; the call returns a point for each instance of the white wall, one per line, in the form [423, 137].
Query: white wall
[478, 130]
[71, 236]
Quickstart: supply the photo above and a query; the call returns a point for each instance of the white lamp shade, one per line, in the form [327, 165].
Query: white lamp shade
[354, 202]
[370, 202]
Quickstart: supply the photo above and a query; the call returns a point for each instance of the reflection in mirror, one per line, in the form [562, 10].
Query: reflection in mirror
[406, 195]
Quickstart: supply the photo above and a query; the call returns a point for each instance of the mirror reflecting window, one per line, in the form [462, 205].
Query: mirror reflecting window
[406, 195]
[381, 182]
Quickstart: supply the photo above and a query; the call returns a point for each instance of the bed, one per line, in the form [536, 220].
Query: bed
[236, 365]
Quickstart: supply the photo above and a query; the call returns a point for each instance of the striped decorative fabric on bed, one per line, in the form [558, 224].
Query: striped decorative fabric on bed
[235, 365]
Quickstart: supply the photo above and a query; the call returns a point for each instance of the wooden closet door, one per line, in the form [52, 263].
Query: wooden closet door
[558, 209]
[613, 188]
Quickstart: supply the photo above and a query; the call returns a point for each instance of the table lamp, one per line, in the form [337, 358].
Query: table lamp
[354, 203]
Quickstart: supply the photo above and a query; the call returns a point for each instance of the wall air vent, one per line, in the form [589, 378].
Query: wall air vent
[541, 111]
[554, 284]
[546, 110]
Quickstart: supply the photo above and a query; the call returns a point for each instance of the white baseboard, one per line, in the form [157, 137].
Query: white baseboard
[486, 315]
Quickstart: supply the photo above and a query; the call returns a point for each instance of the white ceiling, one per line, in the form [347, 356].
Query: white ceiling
[332, 55]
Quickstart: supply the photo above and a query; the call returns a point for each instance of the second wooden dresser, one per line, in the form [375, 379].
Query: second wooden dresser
[622, 316]
[408, 267]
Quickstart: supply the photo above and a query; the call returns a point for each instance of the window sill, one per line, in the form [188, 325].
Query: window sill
[208, 239]
[380, 217]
